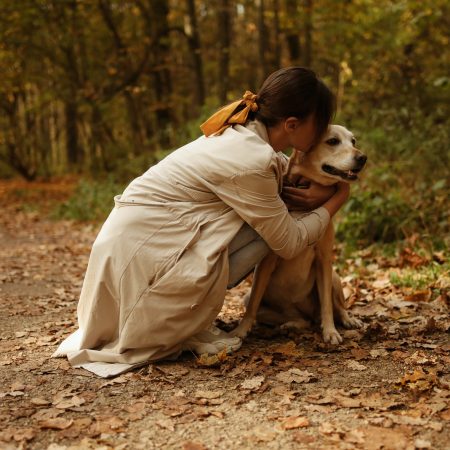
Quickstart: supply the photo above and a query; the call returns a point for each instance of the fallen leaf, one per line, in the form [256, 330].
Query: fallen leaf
[253, 384]
[20, 334]
[301, 437]
[135, 407]
[48, 413]
[286, 349]
[422, 443]
[208, 394]
[59, 423]
[354, 437]
[381, 283]
[17, 434]
[73, 402]
[347, 402]
[263, 434]
[419, 296]
[295, 422]
[356, 365]
[419, 380]
[107, 424]
[296, 376]
[18, 386]
[166, 424]
[316, 399]
[359, 353]
[217, 359]
[39, 401]
[327, 428]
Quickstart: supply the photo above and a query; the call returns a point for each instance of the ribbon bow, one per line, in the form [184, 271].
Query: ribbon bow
[228, 116]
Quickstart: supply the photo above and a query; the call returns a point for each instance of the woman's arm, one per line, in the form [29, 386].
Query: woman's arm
[254, 197]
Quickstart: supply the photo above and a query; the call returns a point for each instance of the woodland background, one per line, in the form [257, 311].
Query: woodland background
[104, 88]
[92, 92]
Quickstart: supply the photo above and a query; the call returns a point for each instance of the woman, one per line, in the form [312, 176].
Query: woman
[198, 222]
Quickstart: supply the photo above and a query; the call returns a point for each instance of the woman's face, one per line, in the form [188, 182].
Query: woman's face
[303, 134]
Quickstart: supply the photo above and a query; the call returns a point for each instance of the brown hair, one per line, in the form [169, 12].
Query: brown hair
[295, 92]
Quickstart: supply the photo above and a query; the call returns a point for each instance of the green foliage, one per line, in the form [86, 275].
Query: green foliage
[421, 277]
[91, 201]
[112, 87]
[384, 210]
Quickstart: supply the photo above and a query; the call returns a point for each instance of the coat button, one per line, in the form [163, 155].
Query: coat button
[194, 306]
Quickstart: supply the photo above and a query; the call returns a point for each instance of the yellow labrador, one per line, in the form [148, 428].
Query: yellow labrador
[303, 289]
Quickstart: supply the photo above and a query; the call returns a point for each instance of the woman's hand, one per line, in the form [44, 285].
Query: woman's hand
[307, 198]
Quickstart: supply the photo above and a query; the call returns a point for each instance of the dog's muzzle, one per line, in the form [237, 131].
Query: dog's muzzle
[351, 174]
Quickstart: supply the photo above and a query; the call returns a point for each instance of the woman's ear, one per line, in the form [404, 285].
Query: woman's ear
[291, 124]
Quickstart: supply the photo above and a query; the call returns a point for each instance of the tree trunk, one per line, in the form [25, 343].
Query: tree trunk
[276, 30]
[292, 35]
[307, 60]
[224, 39]
[71, 116]
[263, 42]
[162, 86]
[195, 48]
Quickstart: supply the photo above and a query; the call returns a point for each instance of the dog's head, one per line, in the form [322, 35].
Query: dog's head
[334, 159]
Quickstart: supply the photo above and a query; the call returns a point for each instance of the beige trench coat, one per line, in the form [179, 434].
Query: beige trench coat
[158, 269]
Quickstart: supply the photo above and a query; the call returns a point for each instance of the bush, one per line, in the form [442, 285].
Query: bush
[91, 201]
[385, 208]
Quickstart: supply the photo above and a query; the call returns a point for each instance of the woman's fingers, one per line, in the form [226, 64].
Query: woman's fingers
[307, 198]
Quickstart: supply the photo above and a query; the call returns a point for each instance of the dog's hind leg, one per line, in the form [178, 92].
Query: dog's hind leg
[344, 317]
[261, 279]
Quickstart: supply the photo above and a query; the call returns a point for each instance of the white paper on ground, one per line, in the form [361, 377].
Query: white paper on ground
[108, 370]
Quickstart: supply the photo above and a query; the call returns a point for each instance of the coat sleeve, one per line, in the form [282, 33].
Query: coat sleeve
[254, 196]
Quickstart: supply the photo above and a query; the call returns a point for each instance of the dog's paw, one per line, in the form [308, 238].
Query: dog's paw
[241, 331]
[349, 321]
[332, 336]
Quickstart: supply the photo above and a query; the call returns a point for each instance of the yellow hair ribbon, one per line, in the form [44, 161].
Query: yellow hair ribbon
[227, 116]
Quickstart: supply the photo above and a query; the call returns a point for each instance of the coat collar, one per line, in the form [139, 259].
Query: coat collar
[259, 129]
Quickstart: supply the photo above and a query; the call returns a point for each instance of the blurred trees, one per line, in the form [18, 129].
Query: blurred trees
[100, 85]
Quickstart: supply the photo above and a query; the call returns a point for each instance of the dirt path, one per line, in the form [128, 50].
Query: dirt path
[385, 387]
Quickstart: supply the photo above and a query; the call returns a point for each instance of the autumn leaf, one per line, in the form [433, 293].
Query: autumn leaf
[295, 422]
[212, 360]
[208, 394]
[419, 296]
[419, 380]
[58, 423]
[39, 401]
[356, 365]
[286, 349]
[296, 376]
[253, 384]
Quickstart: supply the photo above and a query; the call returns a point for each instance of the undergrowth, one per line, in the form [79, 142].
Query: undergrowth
[92, 200]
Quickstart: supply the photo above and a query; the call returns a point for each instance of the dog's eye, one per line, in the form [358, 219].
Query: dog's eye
[353, 142]
[333, 142]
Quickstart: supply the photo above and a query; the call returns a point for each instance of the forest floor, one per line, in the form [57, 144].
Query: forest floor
[385, 387]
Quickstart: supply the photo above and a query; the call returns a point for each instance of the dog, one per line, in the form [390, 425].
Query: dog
[294, 292]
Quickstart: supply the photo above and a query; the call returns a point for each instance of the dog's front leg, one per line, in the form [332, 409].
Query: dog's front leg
[261, 278]
[324, 271]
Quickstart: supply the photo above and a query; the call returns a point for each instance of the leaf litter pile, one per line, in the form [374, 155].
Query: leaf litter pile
[385, 387]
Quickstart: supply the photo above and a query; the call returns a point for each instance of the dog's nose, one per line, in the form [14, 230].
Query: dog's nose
[360, 159]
